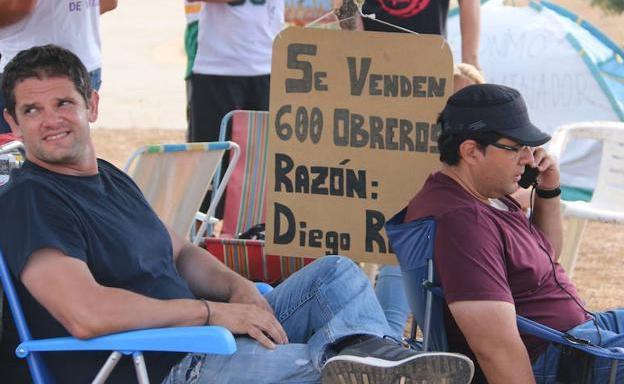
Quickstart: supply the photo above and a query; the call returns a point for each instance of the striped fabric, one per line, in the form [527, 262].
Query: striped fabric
[247, 258]
[245, 198]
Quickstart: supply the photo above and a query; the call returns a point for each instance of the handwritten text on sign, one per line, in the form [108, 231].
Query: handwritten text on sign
[352, 137]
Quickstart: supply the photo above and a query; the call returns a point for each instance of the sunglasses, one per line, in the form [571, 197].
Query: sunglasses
[515, 148]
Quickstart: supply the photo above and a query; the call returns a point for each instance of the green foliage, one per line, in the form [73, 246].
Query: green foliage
[615, 6]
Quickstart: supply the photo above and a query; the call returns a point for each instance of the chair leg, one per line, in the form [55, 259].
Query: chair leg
[613, 373]
[107, 368]
[571, 244]
[139, 367]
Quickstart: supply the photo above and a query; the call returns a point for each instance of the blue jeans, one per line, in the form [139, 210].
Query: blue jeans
[392, 298]
[611, 325]
[96, 81]
[320, 304]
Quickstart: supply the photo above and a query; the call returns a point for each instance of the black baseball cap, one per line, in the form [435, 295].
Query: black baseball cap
[492, 108]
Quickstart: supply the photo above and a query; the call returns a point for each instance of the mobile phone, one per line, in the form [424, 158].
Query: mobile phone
[529, 177]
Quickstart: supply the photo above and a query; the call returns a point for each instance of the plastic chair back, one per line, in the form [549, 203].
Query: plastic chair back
[609, 191]
[11, 156]
[175, 178]
[607, 203]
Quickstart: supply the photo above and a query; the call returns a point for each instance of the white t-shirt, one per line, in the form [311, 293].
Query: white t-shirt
[237, 40]
[71, 24]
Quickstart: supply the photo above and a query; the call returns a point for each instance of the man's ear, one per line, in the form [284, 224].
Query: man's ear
[94, 102]
[15, 128]
[470, 151]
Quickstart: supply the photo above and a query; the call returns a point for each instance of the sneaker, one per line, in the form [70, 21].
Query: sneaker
[378, 360]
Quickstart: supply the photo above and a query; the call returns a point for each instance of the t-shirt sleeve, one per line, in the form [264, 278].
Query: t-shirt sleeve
[469, 258]
[34, 217]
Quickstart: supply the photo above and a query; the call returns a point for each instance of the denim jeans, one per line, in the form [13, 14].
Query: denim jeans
[96, 81]
[320, 304]
[611, 325]
[392, 298]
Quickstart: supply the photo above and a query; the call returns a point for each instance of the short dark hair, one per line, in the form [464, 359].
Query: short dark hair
[40, 62]
[450, 139]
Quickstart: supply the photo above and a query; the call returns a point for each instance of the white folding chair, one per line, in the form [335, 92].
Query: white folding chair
[175, 178]
[11, 156]
[607, 203]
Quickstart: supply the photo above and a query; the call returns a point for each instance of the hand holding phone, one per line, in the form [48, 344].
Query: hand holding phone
[529, 177]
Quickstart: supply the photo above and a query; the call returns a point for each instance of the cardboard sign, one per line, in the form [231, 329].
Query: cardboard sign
[352, 137]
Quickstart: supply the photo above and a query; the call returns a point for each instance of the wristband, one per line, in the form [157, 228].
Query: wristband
[208, 312]
[548, 193]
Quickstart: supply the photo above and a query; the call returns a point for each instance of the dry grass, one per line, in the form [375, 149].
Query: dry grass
[599, 273]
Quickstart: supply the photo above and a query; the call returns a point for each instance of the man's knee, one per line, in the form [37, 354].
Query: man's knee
[335, 262]
[336, 266]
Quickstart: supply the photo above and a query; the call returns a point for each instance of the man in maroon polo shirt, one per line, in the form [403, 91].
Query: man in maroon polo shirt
[493, 262]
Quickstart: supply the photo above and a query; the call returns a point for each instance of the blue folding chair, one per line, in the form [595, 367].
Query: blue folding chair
[199, 339]
[413, 245]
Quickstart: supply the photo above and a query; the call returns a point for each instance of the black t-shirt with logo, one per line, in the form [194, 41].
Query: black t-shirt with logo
[422, 16]
[103, 220]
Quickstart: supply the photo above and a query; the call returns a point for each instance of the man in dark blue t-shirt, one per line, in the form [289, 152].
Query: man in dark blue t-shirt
[90, 257]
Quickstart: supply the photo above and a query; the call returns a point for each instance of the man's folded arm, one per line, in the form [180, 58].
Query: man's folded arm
[237, 303]
[492, 333]
[67, 289]
[206, 276]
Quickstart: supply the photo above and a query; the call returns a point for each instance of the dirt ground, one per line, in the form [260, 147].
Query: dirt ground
[599, 273]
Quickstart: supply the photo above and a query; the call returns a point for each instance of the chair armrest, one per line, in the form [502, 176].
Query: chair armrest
[11, 146]
[596, 130]
[585, 210]
[543, 332]
[264, 288]
[199, 339]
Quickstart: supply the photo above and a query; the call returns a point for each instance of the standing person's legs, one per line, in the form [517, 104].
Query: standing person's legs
[212, 97]
[390, 293]
[258, 93]
[187, 87]
[610, 333]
